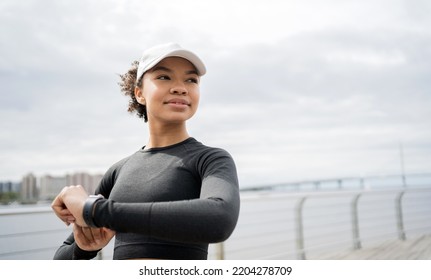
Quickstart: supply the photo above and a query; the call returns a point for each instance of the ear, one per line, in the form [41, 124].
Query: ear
[139, 97]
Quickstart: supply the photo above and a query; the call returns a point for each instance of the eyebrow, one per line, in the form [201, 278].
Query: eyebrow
[163, 68]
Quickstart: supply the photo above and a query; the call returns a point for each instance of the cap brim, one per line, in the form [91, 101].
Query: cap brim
[153, 56]
[197, 63]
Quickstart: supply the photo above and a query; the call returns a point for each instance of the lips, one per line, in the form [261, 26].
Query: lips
[178, 101]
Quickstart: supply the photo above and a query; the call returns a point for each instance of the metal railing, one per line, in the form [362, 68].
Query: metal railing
[30, 233]
[351, 183]
[273, 223]
[317, 223]
[355, 224]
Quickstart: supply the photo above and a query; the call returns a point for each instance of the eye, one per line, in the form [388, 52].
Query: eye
[193, 80]
[163, 77]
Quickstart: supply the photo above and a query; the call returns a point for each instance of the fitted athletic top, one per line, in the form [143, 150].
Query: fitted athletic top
[166, 203]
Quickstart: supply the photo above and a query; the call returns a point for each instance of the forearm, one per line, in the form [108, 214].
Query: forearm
[69, 250]
[209, 219]
[200, 221]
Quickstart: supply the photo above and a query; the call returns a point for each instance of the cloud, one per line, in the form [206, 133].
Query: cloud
[293, 91]
[326, 103]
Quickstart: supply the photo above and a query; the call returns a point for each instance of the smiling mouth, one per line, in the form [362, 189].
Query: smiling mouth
[178, 102]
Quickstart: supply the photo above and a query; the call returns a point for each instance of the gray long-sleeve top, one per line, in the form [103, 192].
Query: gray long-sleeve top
[166, 203]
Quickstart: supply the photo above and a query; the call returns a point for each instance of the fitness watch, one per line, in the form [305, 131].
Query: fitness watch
[88, 209]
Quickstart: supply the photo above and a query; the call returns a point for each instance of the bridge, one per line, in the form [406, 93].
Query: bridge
[330, 219]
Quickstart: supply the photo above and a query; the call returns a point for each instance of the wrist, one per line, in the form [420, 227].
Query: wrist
[88, 211]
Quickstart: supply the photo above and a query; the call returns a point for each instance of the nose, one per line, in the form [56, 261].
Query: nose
[178, 89]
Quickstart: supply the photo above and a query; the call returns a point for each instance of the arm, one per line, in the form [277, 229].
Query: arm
[210, 218]
[84, 243]
[70, 251]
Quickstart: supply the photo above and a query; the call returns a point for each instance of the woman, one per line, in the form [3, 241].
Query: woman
[172, 197]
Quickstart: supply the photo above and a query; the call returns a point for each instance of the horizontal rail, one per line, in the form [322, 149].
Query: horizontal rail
[403, 180]
[25, 211]
[384, 219]
[268, 225]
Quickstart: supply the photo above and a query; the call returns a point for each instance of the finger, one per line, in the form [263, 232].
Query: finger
[80, 234]
[80, 238]
[65, 216]
[107, 234]
[64, 212]
[88, 234]
[70, 219]
[59, 208]
[58, 200]
[97, 233]
[107, 231]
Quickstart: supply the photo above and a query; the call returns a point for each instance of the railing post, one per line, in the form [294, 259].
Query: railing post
[219, 251]
[99, 255]
[300, 230]
[355, 222]
[399, 213]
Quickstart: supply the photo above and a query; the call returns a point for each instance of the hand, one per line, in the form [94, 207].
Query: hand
[92, 239]
[69, 205]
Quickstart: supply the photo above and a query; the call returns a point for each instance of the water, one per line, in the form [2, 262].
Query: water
[32, 235]
[267, 227]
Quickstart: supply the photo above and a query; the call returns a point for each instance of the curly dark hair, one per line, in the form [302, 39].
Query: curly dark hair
[127, 85]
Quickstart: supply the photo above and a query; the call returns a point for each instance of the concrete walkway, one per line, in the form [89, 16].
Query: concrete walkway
[411, 249]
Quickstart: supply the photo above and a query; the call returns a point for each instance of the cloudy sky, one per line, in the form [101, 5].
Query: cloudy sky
[295, 90]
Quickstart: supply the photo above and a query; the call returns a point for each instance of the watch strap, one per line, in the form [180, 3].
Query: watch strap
[88, 209]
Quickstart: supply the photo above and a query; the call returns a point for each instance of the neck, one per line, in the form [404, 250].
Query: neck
[166, 135]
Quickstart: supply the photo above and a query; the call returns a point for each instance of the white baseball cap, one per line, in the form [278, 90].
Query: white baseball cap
[154, 55]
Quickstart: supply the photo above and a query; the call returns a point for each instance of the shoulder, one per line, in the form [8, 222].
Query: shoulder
[197, 149]
[207, 159]
[116, 167]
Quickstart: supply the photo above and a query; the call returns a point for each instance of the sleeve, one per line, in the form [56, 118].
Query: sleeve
[210, 218]
[69, 250]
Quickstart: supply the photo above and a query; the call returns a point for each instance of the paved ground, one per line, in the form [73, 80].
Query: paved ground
[411, 249]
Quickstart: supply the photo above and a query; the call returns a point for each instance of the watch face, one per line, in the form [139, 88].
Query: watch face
[88, 209]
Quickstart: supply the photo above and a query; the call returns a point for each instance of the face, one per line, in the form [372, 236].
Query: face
[170, 91]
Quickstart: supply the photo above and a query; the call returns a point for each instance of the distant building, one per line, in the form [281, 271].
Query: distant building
[48, 186]
[88, 181]
[29, 188]
[16, 187]
[5, 187]
[51, 186]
